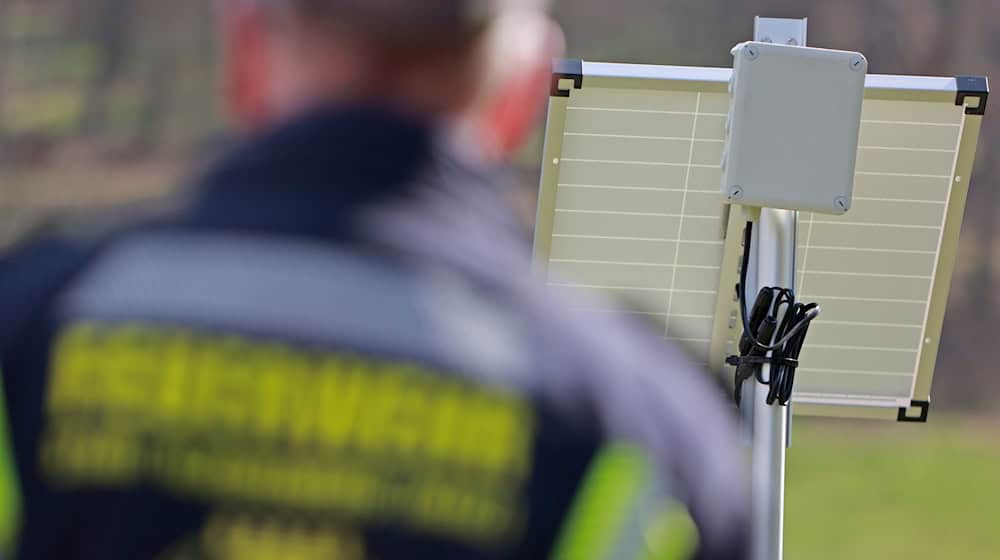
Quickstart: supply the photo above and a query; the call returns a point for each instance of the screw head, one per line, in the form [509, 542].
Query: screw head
[857, 63]
[791, 41]
[752, 52]
[841, 204]
[736, 192]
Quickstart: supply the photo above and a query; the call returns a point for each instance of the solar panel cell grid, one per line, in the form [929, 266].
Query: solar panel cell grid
[637, 215]
[637, 207]
[877, 263]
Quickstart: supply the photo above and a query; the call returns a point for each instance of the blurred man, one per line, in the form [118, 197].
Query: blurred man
[335, 350]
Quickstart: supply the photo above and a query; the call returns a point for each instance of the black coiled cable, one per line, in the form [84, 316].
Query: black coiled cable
[762, 333]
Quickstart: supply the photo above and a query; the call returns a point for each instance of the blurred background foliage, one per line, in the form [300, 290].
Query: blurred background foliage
[107, 103]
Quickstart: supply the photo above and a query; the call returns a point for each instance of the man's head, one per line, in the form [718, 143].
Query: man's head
[480, 62]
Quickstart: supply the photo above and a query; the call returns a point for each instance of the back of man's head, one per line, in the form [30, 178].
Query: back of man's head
[434, 57]
[403, 20]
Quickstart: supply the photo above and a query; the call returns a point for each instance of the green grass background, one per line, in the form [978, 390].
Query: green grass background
[859, 490]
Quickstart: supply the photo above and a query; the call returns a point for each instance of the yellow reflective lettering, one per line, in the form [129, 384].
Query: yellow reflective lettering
[222, 384]
[174, 379]
[342, 396]
[130, 359]
[445, 427]
[276, 386]
[76, 379]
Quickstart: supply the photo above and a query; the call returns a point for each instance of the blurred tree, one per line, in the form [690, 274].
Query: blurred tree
[108, 24]
[5, 51]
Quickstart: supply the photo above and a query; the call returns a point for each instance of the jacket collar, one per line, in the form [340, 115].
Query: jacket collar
[308, 174]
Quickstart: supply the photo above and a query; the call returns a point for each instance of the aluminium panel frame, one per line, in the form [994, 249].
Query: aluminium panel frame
[968, 91]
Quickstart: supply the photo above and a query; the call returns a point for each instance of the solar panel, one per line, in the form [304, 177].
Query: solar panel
[637, 210]
[629, 206]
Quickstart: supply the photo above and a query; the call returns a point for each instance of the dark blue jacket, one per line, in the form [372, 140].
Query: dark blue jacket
[335, 349]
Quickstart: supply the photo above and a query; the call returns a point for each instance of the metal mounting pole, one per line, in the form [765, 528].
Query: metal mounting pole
[774, 266]
[775, 245]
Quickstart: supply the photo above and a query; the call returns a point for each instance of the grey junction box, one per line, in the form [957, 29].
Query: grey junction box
[777, 92]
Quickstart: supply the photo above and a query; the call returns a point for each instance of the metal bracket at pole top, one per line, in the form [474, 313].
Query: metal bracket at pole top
[781, 30]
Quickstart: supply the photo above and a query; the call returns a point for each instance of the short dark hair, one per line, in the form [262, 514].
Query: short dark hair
[401, 19]
[438, 40]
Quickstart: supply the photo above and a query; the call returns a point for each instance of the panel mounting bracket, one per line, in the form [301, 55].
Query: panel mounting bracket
[924, 406]
[977, 87]
[566, 69]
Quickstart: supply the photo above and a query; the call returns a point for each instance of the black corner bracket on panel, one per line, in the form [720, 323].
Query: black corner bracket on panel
[925, 408]
[973, 86]
[566, 69]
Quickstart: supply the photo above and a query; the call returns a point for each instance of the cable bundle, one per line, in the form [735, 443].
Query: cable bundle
[777, 325]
